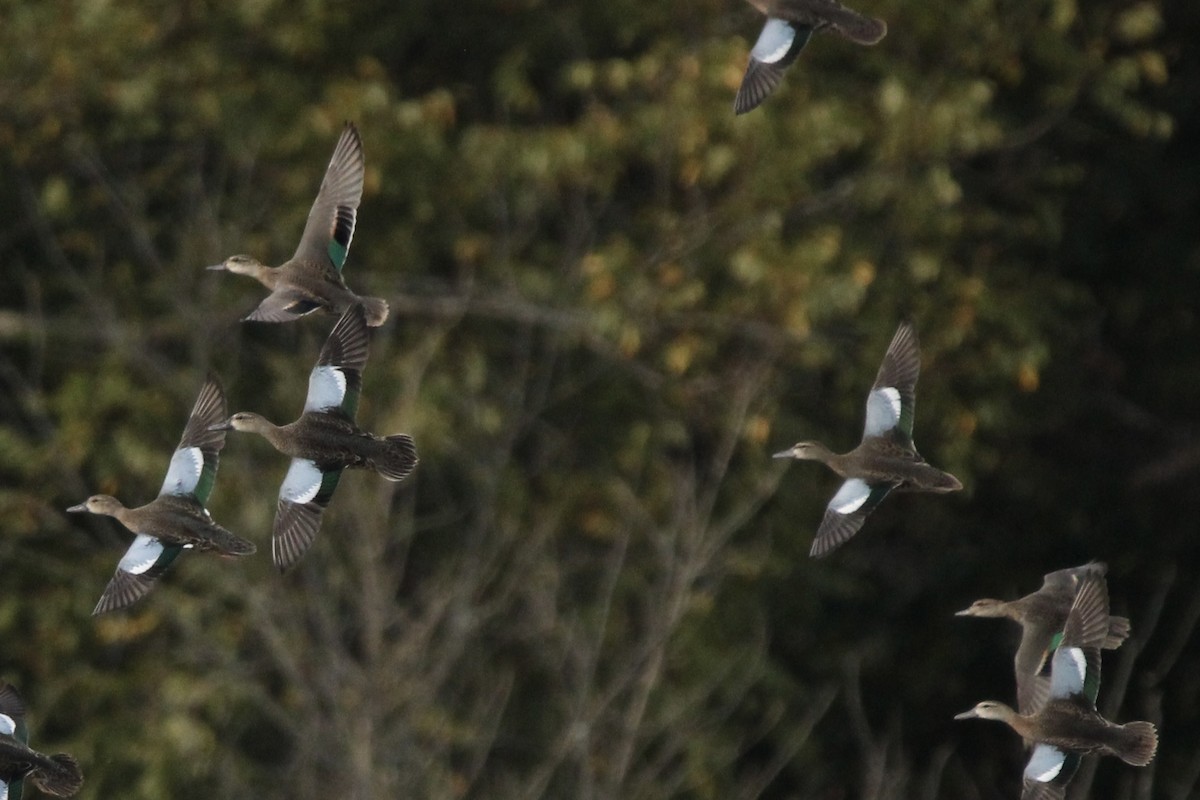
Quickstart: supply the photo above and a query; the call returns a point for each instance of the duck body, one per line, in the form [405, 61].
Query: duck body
[300, 287]
[325, 440]
[58, 774]
[886, 459]
[1076, 727]
[312, 279]
[331, 440]
[176, 520]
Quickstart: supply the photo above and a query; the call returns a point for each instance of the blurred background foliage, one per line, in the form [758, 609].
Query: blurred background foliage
[612, 300]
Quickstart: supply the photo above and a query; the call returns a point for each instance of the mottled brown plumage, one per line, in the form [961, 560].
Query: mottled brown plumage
[1068, 725]
[886, 459]
[176, 520]
[312, 279]
[57, 774]
[324, 440]
[789, 26]
[1042, 616]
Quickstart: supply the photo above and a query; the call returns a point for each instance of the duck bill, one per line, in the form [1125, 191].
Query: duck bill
[216, 267]
[783, 454]
[78, 509]
[966, 612]
[966, 715]
[220, 426]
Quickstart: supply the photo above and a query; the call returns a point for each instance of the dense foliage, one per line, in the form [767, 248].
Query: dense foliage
[612, 300]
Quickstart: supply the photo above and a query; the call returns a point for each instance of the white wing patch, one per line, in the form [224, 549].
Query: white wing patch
[1068, 672]
[850, 497]
[141, 555]
[3, 790]
[7, 724]
[1045, 763]
[302, 482]
[774, 41]
[184, 472]
[883, 411]
[326, 388]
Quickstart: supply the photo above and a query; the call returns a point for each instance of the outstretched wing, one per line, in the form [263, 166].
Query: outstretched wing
[330, 225]
[1076, 665]
[1048, 772]
[777, 47]
[194, 465]
[12, 713]
[336, 380]
[846, 513]
[303, 498]
[1033, 688]
[892, 402]
[1068, 579]
[284, 305]
[138, 570]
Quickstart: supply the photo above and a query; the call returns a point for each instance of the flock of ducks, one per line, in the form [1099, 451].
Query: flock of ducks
[322, 442]
[1065, 624]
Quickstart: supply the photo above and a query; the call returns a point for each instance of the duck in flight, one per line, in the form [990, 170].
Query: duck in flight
[1068, 726]
[177, 519]
[57, 775]
[312, 279]
[1042, 616]
[886, 459]
[790, 24]
[325, 440]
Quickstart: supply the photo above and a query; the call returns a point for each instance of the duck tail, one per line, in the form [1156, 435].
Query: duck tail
[376, 309]
[230, 544]
[398, 457]
[1138, 743]
[59, 776]
[1118, 631]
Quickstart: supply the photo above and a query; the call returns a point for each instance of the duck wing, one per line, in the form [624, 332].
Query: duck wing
[284, 304]
[193, 467]
[1048, 772]
[138, 570]
[11, 706]
[892, 402]
[12, 713]
[1075, 669]
[846, 513]
[1067, 580]
[330, 225]
[303, 498]
[336, 380]
[778, 46]
[1033, 688]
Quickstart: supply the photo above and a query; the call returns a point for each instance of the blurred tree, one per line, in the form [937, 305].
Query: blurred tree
[612, 300]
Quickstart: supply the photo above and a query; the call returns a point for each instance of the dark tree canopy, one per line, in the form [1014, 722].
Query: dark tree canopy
[611, 300]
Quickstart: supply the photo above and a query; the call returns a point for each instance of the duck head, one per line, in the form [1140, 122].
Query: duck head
[988, 709]
[240, 265]
[808, 451]
[983, 608]
[243, 421]
[98, 504]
